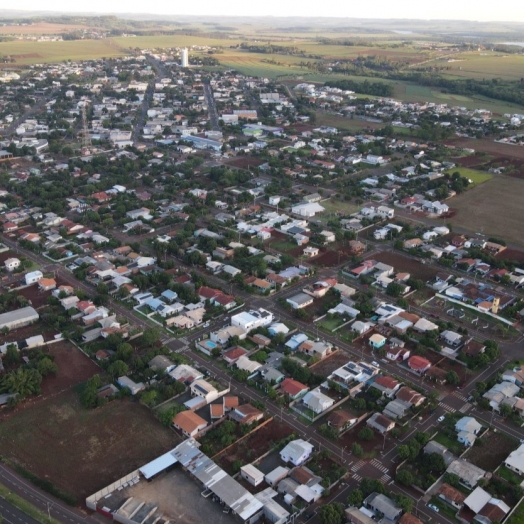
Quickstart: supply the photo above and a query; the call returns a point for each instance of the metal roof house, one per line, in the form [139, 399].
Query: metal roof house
[18, 318]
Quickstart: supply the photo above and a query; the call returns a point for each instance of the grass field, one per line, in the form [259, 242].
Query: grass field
[478, 177]
[348, 124]
[28, 53]
[495, 207]
[485, 64]
[113, 440]
[334, 206]
[39, 28]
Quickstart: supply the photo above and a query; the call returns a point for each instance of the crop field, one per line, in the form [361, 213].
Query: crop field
[478, 177]
[485, 64]
[149, 42]
[494, 207]
[28, 53]
[39, 28]
[114, 440]
[348, 124]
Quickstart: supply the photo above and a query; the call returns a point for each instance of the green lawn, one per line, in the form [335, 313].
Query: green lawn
[282, 245]
[518, 515]
[330, 324]
[509, 475]
[338, 206]
[478, 177]
[452, 444]
[444, 508]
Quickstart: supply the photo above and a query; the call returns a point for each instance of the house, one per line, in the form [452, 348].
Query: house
[293, 388]
[272, 375]
[318, 349]
[46, 284]
[161, 363]
[33, 277]
[451, 495]
[397, 353]
[376, 341]
[317, 402]
[185, 374]
[451, 338]
[356, 516]
[245, 364]
[341, 420]
[253, 319]
[382, 505]
[381, 423]
[246, 414]
[388, 386]
[436, 447]
[411, 396]
[189, 423]
[360, 327]
[468, 474]
[473, 349]
[233, 354]
[515, 376]
[308, 210]
[296, 452]
[310, 251]
[134, 387]
[467, 429]
[202, 388]
[397, 409]
[515, 460]
[299, 301]
[486, 508]
[12, 263]
[419, 364]
[276, 475]
[252, 474]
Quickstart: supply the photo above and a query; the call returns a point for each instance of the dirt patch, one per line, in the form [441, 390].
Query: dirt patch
[79, 450]
[490, 147]
[499, 446]
[513, 255]
[36, 297]
[255, 445]
[403, 264]
[470, 161]
[244, 162]
[328, 365]
[494, 207]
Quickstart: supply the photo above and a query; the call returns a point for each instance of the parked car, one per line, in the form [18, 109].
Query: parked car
[433, 507]
[441, 418]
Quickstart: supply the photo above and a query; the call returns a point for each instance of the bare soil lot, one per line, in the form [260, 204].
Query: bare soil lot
[245, 162]
[494, 207]
[80, 451]
[499, 446]
[403, 264]
[490, 147]
[328, 365]
[39, 298]
[254, 446]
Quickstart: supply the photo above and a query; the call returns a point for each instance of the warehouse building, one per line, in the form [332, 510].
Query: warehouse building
[18, 318]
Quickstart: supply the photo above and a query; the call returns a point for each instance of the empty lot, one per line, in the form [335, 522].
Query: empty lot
[80, 451]
[495, 208]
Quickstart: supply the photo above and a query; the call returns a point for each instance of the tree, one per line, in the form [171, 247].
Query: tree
[150, 337]
[25, 382]
[12, 356]
[45, 366]
[394, 289]
[89, 397]
[332, 513]
[356, 498]
[124, 351]
[366, 434]
[357, 450]
[403, 451]
[452, 377]
[404, 502]
[405, 477]
[118, 369]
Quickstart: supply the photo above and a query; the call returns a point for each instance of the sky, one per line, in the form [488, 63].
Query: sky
[481, 10]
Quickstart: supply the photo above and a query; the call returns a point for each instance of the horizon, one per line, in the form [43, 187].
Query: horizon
[409, 10]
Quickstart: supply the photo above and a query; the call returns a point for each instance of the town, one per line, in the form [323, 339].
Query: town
[241, 314]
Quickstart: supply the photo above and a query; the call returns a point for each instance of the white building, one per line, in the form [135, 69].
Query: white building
[249, 320]
[11, 264]
[33, 277]
[297, 452]
[184, 57]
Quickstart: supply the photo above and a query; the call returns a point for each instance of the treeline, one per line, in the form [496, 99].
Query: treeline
[367, 87]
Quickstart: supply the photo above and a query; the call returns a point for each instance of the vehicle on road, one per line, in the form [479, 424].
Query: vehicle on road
[441, 418]
[433, 507]
[375, 363]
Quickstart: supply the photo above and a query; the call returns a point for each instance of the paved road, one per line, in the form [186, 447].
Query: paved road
[43, 501]
[13, 515]
[211, 107]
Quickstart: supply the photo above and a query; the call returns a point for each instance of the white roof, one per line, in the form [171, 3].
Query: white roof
[159, 464]
[296, 448]
[253, 472]
[477, 499]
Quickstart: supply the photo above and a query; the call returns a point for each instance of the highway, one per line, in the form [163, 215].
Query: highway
[12, 515]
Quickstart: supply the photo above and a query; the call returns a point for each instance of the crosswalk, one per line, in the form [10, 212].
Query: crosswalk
[357, 477]
[385, 478]
[460, 396]
[358, 465]
[465, 407]
[449, 409]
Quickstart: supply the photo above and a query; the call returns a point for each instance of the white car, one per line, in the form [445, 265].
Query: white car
[441, 418]
[433, 507]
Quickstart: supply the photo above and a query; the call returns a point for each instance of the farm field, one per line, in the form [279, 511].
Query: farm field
[478, 177]
[39, 28]
[489, 146]
[485, 64]
[494, 207]
[114, 440]
[409, 265]
[28, 53]
[348, 124]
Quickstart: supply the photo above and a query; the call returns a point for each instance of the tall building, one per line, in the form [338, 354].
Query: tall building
[184, 57]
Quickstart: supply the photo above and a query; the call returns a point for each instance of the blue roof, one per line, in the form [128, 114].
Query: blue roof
[154, 303]
[170, 295]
